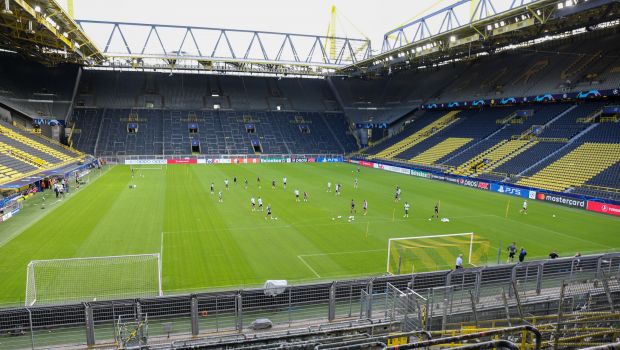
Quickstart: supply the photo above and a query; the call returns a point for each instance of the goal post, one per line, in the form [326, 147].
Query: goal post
[73, 280]
[437, 252]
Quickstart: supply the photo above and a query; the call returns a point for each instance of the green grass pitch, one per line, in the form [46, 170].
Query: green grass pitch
[206, 244]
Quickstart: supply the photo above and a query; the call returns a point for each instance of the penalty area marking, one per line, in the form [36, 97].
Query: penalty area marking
[308, 266]
[301, 257]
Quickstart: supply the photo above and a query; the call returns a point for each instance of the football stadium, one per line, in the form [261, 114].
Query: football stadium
[213, 183]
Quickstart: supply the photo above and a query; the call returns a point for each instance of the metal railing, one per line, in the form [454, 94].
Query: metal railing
[423, 301]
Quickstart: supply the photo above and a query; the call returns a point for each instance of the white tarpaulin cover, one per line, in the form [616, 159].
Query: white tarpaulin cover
[275, 287]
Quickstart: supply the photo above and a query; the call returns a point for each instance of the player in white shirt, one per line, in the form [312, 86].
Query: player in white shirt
[219, 195]
[253, 201]
[284, 182]
[365, 206]
[524, 209]
[226, 184]
[459, 261]
[260, 203]
[296, 195]
[406, 210]
[329, 186]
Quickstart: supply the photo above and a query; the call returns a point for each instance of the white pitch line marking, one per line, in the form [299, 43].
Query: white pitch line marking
[308, 266]
[342, 253]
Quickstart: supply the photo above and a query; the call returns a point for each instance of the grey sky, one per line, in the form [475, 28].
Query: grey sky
[373, 18]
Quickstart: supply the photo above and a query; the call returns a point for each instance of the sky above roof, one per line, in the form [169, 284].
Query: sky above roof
[356, 18]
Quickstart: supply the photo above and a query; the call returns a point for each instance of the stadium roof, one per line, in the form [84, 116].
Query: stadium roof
[467, 28]
[43, 31]
[452, 33]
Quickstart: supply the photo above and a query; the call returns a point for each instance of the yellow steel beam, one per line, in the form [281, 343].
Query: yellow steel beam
[39, 18]
[70, 8]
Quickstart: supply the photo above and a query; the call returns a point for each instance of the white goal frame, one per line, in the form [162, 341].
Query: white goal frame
[31, 275]
[471, 244]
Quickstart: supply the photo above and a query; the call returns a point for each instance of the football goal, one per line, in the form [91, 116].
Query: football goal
[430, 253]
[64, 281]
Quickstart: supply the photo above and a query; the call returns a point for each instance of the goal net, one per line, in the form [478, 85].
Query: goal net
[63, 281]
[430, 253]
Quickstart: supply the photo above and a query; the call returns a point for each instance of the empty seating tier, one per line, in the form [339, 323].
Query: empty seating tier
[496, 155]
[419, 136]
[575, 168]
[431, 155]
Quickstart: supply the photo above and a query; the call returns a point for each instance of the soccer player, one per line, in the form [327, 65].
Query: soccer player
[245, 182]
[305, 196]
[406, 210]
[365, 206]
[355, 183]
[577, 261]
[459, 261]
[258, 181]
[436, 214]
[235, 180]
[260, 203]
[284, 182]
[226, 184]
[329, 186]
[212, 188]
[353, 211]
[296, 195]
[253, 201]
[512, 250]
[337, 189]
[219, 196]
[268, 212]
[273, 184]
[524, 209]
[522, 255]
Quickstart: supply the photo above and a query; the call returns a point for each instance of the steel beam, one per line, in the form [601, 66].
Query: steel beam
[223, 45]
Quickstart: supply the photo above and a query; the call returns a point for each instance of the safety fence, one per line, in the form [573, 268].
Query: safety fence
[433, 301]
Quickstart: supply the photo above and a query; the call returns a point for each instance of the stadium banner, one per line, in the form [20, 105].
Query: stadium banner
[562, 200]
[145, 161]
[9, 215]
[221, 161]
[464, 181]
[439, 177]
[547, 97]
[354, 161]
[391, 168]
[513, 191]
[272, 160]
[181, 161]
[301, 160]
[604, 208]
[418, 173]
[329, 159]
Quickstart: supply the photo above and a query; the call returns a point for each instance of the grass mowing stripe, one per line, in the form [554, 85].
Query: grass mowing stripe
[208, 244]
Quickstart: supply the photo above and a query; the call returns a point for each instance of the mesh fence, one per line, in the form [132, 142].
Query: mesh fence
[443, 301]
